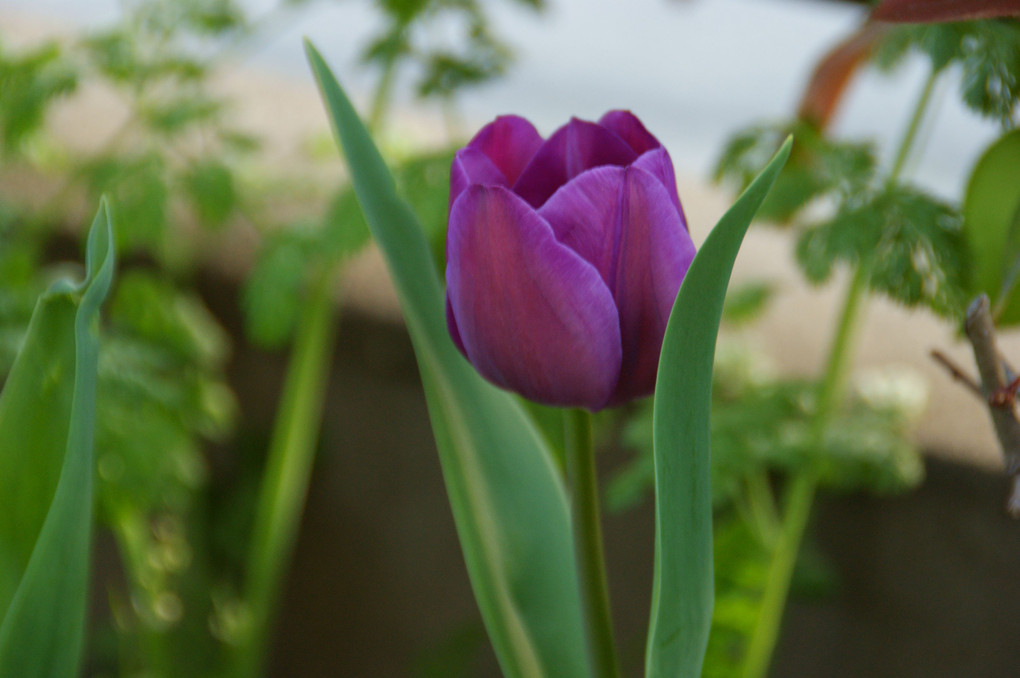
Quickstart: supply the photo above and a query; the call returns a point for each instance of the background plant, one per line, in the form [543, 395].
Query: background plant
[179, 163]
[776, 441]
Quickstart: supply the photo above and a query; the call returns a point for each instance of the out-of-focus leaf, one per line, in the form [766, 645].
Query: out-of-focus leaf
[929, 11]
[180, 114]
[424, 182]
[138, 187]
[275, 287]
[818, 168]
[154, 310]
[910, 242]
[988, 53]
[345, 232]
[508, 502]
[682, 590]
[30, 82]
[990, 210]
[747, 302]
[210, 186]
[47, 418]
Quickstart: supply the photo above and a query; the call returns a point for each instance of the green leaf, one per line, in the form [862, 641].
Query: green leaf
[819, 167]
[210, 186]
[277, 282]
[990, 208]
[47, 417]
[746, 303]
[910, 243]
[988, 53]
[30, 82]
[682, 586]
[508, 502]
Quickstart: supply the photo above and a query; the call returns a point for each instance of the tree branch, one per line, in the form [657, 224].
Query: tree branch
[981, 332]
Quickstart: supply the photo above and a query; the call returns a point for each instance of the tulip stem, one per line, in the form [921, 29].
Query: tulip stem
[584, 499]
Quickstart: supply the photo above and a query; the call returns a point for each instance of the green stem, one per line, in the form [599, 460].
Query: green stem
[801, 489]
[584, 499]
[288, 467]
[907, 143]
[383, 94]
[799, 496]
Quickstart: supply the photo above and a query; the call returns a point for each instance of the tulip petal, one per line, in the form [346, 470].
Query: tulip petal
[532, 315]
[660, 165]
[574, 148]
[509, 142]
[451, 326]
[471, 166]
[627, 126]
[624, 222]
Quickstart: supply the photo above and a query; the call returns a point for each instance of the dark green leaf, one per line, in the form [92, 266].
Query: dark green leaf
[990, 207]
[508, 501]
[47, 418]
[910, 243]
[682, 586]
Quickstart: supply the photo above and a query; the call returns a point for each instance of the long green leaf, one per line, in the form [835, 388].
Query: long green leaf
[47, 415]
[508, 503]
[682, 592]
[990, 210]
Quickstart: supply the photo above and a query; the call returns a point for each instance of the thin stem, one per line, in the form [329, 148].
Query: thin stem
[799, 496]
[383, 95]
[913, 127]
[584, 499]
[801, 489]
[289, 465]
[838, 367]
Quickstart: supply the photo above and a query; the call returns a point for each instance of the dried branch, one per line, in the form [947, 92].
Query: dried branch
[957, 373]
[981, 332]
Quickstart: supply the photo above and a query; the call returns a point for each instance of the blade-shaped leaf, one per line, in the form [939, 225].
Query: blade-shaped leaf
[990, 208]
[47, 415]
[508, 503]
[682, 589]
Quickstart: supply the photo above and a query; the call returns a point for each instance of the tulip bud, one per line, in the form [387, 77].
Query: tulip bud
[564, 257]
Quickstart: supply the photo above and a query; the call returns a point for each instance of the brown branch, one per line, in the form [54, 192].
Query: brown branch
[981, 332]
[957, 373]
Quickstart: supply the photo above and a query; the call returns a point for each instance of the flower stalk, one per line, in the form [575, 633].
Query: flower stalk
[584, 499]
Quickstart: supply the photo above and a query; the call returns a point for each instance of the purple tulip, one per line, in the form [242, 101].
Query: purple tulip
[564, 257]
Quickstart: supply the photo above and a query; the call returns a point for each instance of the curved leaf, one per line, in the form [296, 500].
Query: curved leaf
[990, 210]
[508, 503]
[47, 416]
[682, 589]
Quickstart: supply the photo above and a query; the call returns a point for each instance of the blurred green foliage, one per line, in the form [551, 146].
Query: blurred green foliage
[987, 53]
[178, 160]
[769, 432]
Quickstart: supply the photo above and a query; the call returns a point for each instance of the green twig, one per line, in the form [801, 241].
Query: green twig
[584, 499]
[801, 489]
[913, 127]
[289, 465]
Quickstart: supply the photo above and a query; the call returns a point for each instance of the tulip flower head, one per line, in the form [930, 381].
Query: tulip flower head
[564, 257]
